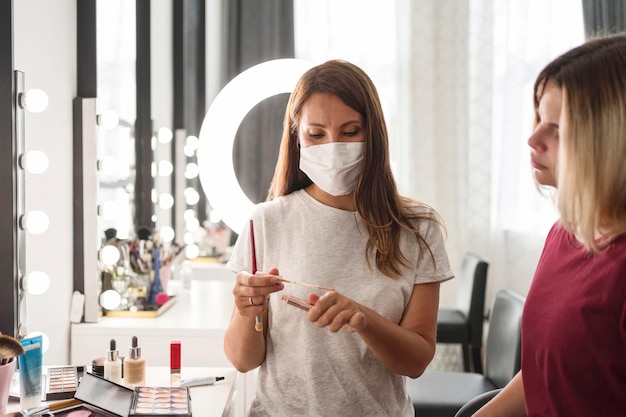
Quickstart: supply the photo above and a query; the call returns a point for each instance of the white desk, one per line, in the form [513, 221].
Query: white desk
[218, 400]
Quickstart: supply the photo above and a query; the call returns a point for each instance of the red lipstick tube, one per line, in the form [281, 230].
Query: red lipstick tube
[174, 363]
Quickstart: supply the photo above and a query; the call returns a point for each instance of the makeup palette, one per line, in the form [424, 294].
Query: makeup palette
[116, 400]
[161, 401]
[62, 382]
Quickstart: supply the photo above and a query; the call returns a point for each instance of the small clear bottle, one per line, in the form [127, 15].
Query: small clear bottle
[113, 364]
[134, 366]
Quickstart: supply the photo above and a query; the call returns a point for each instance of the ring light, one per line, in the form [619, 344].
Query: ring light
[220, 125]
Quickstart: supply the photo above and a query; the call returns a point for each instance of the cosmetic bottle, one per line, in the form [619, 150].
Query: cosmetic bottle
[174, 363]
[134, 367]
[113, 364]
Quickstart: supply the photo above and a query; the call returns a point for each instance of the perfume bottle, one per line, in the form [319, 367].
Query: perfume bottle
[113, 364]
[134, 366]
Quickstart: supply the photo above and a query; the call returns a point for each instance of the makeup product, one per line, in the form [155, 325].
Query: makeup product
[134, 366]
[158, 401]
[307, 285]
[258, 325]
[10, 348]
[175, 349]
[97, 366]
[64, 404]
[296, 302]
[30, 372]
[201, 380]
[62, 382]
[113, 364]
[112, 399]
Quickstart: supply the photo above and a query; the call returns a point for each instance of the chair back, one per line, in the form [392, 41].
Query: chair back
[470, 293]
[504, 338]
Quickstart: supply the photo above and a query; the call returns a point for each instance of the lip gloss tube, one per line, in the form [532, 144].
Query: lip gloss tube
[174, 363]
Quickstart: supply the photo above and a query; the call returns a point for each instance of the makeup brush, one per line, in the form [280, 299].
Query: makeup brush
[10, 347]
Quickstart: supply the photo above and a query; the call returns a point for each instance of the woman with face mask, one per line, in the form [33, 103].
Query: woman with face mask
[334, 219]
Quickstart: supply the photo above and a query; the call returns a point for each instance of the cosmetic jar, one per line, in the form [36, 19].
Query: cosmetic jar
[97, 367]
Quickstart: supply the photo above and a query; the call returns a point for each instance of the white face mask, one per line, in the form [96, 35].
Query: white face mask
[334, 166]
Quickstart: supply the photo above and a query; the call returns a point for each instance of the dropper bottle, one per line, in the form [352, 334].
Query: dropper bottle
[113, 364]
[134, 366]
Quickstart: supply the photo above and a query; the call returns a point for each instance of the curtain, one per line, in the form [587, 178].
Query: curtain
[604, 16]
[258, 31]
[467, 70]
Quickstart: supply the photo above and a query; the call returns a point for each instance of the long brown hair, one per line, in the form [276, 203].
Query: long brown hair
[384, 212]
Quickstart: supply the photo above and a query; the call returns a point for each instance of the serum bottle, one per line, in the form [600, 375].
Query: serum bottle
[113, 364]
[134, 367]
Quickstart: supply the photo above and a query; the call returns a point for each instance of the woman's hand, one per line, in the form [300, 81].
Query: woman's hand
[251, 291]
[336, 312]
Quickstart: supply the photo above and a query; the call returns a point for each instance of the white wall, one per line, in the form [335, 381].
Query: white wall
[45, 50]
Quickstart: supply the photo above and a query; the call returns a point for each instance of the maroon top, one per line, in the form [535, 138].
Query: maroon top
[574, 331]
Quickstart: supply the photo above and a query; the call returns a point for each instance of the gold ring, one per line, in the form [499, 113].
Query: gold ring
[250, 300]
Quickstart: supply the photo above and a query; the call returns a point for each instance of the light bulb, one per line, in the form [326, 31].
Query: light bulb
[36, 282]
[34, 100]
[191, 170]
[109, 255]
[189, 214]
[153, 169]
[188, 238]
[167, 234]
[35, 222]
[220, 125]
[35, 162]
[192, 142]
[214, 217]
[189, 151]
[192, 251]
[166, 201]
[191, 196]
[110, 299]
[165, 135]
[165, 168]
[108, 119]
[192, 224]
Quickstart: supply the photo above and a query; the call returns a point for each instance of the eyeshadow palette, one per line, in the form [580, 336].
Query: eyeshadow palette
[116, 400]
[161, 401]
[62, 382]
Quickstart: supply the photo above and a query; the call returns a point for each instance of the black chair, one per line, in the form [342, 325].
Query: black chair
[476, 403]
[442, 394]
[464, 324]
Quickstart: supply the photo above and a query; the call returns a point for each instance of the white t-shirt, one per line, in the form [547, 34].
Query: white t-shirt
[310, 371]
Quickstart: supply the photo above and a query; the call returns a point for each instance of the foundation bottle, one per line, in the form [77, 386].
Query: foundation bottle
[113, 364]
[134, 367]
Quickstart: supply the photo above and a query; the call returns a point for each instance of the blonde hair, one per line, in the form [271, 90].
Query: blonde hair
[592, 149]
